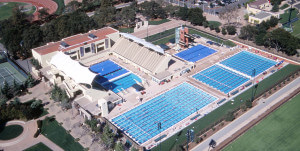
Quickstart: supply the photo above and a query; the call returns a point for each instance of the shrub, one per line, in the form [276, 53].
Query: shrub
[205, 24]
[230, 116]
[217, 29]
[211, 27]
[39, 123]
[224, 31]
[231, 30]
[37, 133]
[36, 64]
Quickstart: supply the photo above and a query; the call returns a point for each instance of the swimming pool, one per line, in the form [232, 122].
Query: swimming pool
[108, 70]
[169, 108]
[220, 78]
[245, 62]
[122, 83]
[195, 53]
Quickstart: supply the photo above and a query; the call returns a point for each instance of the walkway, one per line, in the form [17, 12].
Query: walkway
[260, 108]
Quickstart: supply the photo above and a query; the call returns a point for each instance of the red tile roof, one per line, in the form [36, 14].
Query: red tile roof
[75, 41]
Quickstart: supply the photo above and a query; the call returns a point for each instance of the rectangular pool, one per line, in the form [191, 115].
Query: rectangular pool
[195, 53]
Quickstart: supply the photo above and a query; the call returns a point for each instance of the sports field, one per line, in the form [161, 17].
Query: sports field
[6, 9]
[38, 147]
[8, 73]
[279, 131]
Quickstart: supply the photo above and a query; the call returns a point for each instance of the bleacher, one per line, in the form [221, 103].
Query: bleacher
[220, 78]
[144, 57]
[245, 62]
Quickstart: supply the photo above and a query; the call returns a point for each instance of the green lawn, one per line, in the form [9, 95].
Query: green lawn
[60, 6]
[279, 131]
[58, 135]
[215, 23]
[296, 29]
[158, 22]
[38, 147]
[161, 35]
[284, 6]
[126, 30]
[164, 40]
[6, 10]
[10, 132]
[285, 17]
[219, 113]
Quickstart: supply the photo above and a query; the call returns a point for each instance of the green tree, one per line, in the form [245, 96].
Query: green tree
[217, 29]
[211, 27]
[16, 88]
[248, 32]
[230, 116]
[16, 101]
[32, 37]
[195, 16]
[275, 8]
[43, 14]
[30, 81]
[171, 10]
[273, 21]
[107, 137]
[119, 147]
[152, 10]
[224, 31]
[231, 30]
[127, 16]
[133, 149]
[35, 104]
[183, 13]
[205, 24]
[259, 39]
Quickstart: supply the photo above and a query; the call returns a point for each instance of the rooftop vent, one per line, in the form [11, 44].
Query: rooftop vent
[65, 45]
[92, 36]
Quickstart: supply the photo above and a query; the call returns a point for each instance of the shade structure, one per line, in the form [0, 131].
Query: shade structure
[72, 68]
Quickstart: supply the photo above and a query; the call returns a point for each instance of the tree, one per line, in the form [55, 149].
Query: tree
[217, 29]
[273, 21]
[171, 10]
[275, 8]
[248, 104]
[133, 149]
[35, 104]
[119, 147]
[259, 39]
[127, 16]
[195, 16]
[231, 30]
[152, 10]
[211, 27]
[224, 31]
[16, 88]
[107, 137]
[30, 82]
[228, 13]
[248, 32]
[230, 116]
[183, 13]
[246, 17]
[205, 24]
[72, 6]
[43, 14]
[16, 101]
[31, 38]
[3, 99]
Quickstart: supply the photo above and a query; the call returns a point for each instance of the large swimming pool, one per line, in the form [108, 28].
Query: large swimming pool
[169, 108]
[246, 61]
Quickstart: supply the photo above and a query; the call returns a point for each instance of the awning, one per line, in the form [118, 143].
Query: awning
[72, 68]
[143, 42]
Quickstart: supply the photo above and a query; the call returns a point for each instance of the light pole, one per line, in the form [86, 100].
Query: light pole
[253, 73]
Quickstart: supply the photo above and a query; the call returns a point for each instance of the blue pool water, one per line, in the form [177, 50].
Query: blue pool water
[168, 108]
[220, 78]
[245, 62]
[108, 70]
[122, 83]
[195, 53]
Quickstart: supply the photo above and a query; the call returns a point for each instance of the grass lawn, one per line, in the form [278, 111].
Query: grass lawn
[279, 131]
[219, 113]
[164, 40]
[38, 147]
[284, 6]
[296, 29]
[58, 135]
[215, 23]
[213, 38]
[285, 17]
[6, 10]
[60, 6]
[10, 132]
[154, 22]
[126, 30]
[161, 35]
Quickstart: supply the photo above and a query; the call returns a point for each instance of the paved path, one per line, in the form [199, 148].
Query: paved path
[260, 108]
[160, 28]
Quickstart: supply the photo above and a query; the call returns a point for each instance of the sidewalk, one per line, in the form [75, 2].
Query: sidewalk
[259, 109]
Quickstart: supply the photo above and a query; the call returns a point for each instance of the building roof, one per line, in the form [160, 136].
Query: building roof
[257, 3]
[75, 41]
[143, 42]
[262, 15]
[72, 68]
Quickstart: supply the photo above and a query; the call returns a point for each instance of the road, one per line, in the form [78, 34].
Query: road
[261, 107]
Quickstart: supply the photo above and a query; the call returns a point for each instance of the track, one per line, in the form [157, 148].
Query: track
[39, 4]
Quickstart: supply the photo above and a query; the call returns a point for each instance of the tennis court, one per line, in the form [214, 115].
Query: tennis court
[8, 73]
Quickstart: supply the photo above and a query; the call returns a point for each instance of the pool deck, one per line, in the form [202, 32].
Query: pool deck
[152, 89]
